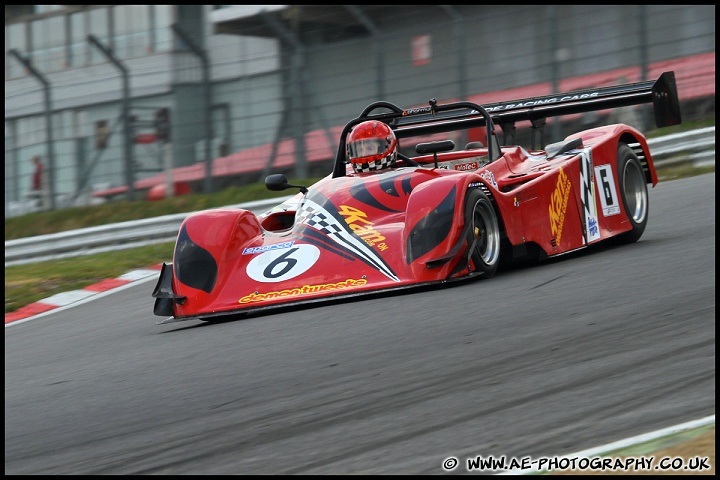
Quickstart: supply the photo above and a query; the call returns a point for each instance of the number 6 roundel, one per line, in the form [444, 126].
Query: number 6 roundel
[283, 264]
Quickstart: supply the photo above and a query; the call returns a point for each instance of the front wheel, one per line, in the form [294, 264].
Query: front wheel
[484, 234]
[634, 193]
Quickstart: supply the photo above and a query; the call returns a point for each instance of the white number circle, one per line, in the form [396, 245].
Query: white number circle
[283, 264]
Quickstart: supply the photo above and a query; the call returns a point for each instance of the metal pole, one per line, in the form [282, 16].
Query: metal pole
[48, 123]
[645, 111]
[207, 117]
[296, 89]
[377, 46]
[558, 56]
[15, 161]
[168, 163]
[298, 100]
[459, 46]
[127, 141]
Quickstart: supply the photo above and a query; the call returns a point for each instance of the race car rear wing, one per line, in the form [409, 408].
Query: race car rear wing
[662, 93]
[437, 118]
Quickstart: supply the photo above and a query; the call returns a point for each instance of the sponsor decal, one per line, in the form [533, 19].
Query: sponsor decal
[357, 220]
[460, 166]
[558, 206]
[265, 248]
[587, 195]
[283, 264]
[413, 111]
[542, 101]
[524, 196]
[608, 195]
[593, 228]
[489, 177]
[467, 166]
[584, 96]
[532, 103]
[304, 290]
[331, 224]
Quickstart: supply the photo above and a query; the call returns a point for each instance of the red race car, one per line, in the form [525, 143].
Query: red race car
[385, 220]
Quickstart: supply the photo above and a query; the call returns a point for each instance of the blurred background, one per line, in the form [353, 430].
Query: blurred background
[138, 101]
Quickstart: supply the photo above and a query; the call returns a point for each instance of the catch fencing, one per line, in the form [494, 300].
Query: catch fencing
[273, 91]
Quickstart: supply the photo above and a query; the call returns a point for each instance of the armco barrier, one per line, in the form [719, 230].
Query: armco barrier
[695, 146]
[106, 238]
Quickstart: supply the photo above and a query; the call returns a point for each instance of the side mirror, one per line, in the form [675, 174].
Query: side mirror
[434, 148]
[278, 182]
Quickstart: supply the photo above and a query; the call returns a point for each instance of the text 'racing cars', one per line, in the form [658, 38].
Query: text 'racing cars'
[384, 220]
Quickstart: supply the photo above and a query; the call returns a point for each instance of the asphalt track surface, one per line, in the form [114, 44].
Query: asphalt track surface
[539, 361]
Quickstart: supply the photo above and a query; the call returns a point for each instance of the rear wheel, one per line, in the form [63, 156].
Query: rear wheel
[484, 234]
[634, 193]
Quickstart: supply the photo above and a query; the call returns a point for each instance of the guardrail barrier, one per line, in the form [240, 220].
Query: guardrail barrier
[695, 147]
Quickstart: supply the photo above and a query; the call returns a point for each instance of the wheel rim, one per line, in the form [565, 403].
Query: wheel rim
[635, 192]
[486, 232]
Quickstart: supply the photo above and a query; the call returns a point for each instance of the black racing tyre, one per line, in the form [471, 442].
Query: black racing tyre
[633, 191]
[484, 234]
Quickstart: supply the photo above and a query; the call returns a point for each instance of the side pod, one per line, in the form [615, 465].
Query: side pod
[163, 293]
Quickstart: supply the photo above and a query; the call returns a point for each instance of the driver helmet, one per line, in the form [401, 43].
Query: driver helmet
[371, 145]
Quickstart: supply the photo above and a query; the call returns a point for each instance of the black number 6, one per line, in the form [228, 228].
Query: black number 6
[289, 264]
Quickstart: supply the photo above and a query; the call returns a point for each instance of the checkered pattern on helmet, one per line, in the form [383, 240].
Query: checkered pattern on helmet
[385, 162]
